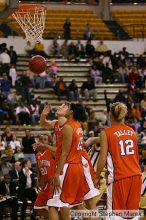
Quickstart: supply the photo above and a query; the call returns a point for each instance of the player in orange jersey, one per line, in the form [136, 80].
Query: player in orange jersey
[88, 168]
[69, 180]
[119, 149]
[46, 169]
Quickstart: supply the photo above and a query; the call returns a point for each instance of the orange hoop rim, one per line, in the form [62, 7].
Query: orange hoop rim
[24, 8]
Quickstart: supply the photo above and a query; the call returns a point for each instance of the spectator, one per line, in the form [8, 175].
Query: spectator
[7, 135]
[34, 111]
[67, 29]
[88, 89]
[96, 74]
[5, 164]
[54, 48]
[39, 49]
[13, 55]
[23, 85]
[123, 73]
[27, 143]
[72, 52]
[5, 61]
[90, 50]
[143, 190]
[41, 80]
[19, 155]
[133, 75]
[88, 32]
[13, 98]
[13, 74]
[61, 88]
[26, 188]
[120, 97]
[73, 91]
[15, 143]
[8, 189]
[80, 50]
[64, 49]
[53, 71]
[108, 74]
[101, 47]
[5, 85]
[14, 173]
[23, 114]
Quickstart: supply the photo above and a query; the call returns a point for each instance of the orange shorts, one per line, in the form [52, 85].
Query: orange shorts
[42, 198]
[124, 194]
[73, 187]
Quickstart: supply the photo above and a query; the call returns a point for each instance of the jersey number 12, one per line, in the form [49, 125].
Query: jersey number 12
[126, 147]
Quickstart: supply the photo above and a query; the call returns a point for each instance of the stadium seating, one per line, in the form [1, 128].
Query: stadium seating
[79, 18]
[133, 21]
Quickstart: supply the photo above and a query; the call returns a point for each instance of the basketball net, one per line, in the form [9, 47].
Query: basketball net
[31, 19]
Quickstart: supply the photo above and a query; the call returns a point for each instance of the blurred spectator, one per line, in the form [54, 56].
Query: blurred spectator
[26, 188]
[5, 60]
[101, 47]
[27, 142]
[136, 112]
[53, 70]
[88, 32]
[88, 89]
[143, 190]
[123, 73]
[39, 49]
[72, 52]
[80, 50]
[7, 135]
[64, 49]
[23, 85]
[34, 111]
[13, 98]
[15, 143]
[73, 91]
[67, 29]
[61, 89]
[2, 145]
[13, 55]
[54, 48]
[13, 74]
[90, 50]
[133, 75]
[120, 97]
[14, 173]
[5, 165]
[96, 74]
[28, 48]
[5, 85]
[23, 114]
[8, 190]
[108, 74]
[19, 155]
[41, 80]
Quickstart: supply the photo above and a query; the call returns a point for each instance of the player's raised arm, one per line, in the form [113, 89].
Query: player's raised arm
[43, 121]
[103, 154]
[66, 145]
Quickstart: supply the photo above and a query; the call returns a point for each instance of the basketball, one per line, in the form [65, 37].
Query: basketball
[37, 64]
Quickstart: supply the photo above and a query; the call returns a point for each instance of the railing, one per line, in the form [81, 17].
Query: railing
[137, 31]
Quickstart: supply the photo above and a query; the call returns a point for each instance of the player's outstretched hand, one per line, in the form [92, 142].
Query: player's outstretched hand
[47, 109]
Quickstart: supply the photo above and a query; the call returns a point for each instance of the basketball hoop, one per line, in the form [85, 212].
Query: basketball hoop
[31, 19]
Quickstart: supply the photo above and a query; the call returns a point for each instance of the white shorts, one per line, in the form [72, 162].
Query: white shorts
[93, 190]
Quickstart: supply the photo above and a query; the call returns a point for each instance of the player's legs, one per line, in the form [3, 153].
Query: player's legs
[65, 213]
[42, 212]
[53, 213]
[135, 193]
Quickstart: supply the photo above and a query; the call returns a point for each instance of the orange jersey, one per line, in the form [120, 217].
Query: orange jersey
[46, 164]
[122, 159]
[77, 142]
[58, 140]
